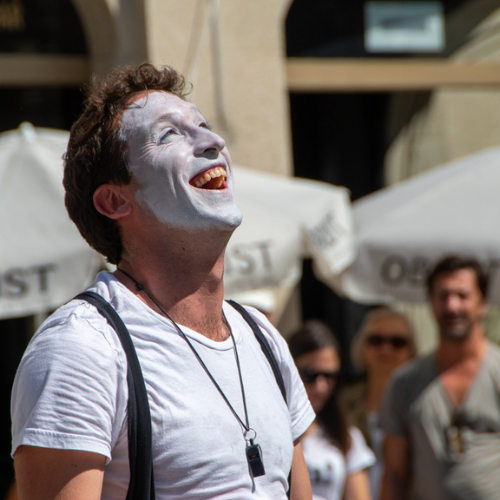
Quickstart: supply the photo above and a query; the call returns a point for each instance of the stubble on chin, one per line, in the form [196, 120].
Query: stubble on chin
[457, 332]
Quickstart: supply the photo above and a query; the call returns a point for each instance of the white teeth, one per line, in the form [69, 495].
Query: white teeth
[216, 173]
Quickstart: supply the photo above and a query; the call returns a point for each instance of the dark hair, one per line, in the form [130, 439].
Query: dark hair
[311, 336]
[96, 155]
[453, 263]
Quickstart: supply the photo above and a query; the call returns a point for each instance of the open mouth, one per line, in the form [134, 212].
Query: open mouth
[213, 178]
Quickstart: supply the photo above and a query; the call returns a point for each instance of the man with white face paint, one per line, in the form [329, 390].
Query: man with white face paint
[441, 412]
[181, 167]
[150, 186]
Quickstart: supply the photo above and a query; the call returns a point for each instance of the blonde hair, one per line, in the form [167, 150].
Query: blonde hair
[360, 337]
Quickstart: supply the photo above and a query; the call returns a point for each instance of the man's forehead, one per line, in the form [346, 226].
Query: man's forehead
[461, 279]
[164, 102]
[148, 110]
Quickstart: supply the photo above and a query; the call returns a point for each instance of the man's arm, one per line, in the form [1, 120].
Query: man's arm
[396, 476]
[300, 488]
[49, 474]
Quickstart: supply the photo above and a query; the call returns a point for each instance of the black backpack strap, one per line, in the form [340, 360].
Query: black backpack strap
[264, 344]
[266, 348]
[141, 486]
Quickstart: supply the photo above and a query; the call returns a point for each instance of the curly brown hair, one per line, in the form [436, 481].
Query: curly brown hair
[96, 154]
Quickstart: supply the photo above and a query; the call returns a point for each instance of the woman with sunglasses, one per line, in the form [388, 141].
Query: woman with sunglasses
[335, 452]
[384, 342]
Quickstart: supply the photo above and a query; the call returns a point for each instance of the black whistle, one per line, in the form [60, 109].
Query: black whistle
[254, 457]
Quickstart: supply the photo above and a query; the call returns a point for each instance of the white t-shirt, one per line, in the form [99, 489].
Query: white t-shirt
[328, 468]
[70, 392]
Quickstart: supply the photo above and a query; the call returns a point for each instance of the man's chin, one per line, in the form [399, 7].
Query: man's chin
[224, 216]
[219, 225]
[457, 334]
[229, 221]
[206, 220]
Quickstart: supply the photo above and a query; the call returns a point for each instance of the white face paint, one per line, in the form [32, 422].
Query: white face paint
[182, 168]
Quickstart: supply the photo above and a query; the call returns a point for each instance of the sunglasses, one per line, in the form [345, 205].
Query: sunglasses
[396, 341]
[309, 376]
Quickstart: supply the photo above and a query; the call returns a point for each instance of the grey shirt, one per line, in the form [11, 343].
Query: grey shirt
[455, 451]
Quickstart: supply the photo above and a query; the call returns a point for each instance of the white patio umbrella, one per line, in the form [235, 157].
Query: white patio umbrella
[402, 230]
[43, 259]
[286, 219]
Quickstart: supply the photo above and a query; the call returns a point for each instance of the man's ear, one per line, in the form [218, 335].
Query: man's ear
[111, 201]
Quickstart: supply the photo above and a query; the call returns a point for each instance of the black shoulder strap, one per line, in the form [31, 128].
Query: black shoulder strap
[264, 344]
[141, 486]
[266, 349]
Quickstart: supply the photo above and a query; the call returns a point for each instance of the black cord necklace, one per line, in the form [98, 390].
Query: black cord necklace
[253, 451]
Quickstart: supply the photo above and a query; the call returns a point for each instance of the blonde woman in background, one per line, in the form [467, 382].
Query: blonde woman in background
[384, 342]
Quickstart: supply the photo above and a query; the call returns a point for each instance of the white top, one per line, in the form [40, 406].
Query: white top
[71, 392]
[328, 468]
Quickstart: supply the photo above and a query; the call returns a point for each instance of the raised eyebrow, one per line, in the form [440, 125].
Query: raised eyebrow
[166, 117]
[199, 114]
[171, 117]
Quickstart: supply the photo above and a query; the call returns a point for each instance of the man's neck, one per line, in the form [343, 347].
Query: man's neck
[459, 363]
[469, 350]
[184, 280]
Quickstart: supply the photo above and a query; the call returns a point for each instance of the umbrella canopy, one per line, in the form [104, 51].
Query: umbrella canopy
[284, 220]
[43, 259]
[402, 230]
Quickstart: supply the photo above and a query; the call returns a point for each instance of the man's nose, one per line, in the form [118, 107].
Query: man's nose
[207, 142]
[452, 302]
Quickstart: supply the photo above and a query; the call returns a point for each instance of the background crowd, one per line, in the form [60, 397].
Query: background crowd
[412, 427]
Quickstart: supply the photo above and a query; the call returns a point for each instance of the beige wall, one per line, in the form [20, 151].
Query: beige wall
[98, 18]
[455, 122]
[232, 51]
